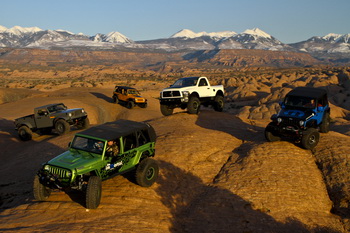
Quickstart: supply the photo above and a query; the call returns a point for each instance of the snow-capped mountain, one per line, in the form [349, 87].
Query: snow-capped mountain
[112, 37]
[19, 31]
[256, 39]
[35, 37]
[331, 44]
[186, 33]
[249, 39]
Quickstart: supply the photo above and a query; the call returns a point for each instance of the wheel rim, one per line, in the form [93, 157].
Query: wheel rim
[221, 103]
[195, 105]
[22, 133]
[60, 127]
[150, 173]
[312, 139]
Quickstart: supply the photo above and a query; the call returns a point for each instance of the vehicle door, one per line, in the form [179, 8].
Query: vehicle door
[124, 94]
[42, 118]
[321, 108]
[129, 151]
[204, 90]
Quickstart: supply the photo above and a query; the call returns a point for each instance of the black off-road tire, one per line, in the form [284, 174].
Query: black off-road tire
[193, 105]
[143, 105]
[62, 127]
[310, 138]
[269, 135]
[40, 191]
[93, 192]
[324, 127]
[130, 104]
[166, 110]
[219, 103]
[83, 124]
[24, 133]
[147, 172]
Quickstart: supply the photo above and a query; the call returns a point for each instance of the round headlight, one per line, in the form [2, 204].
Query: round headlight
[279, 120]
[70, 114]
[47, 167]
[82, 111]
[301, 123]
[69, 173]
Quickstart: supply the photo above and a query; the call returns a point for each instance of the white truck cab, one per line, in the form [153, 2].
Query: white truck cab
[190, 93]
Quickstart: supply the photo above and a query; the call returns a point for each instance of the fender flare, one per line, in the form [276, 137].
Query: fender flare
[219, 92]
[25, 124]
[57, 119]
[194, 94]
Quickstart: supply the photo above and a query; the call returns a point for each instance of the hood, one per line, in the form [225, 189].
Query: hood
[74, 159]
[293, 113]
[178, 88]
[73, 110]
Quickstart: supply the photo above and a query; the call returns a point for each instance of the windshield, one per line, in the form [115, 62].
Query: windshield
[186, 82]
[57, 107]
[299, 102]
[88, 144]
[134, 92]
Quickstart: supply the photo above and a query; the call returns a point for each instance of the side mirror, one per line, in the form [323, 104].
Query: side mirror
[273, 117]
[281, 104]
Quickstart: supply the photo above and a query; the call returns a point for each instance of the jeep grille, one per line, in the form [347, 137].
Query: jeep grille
[171, 94]
[59, 172]
[288, 121]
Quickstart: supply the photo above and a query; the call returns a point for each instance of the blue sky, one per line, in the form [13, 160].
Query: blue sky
[288, 21]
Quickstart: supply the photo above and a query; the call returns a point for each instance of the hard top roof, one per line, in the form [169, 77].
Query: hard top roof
[116, 129]
[124, 87]
[49, 105]
[308, 92]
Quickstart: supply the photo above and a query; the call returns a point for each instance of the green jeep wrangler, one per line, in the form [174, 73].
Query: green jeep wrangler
[97, 154]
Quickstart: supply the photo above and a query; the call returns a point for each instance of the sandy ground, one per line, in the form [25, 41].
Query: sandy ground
[217, 174]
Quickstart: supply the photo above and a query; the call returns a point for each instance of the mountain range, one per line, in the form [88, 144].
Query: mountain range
[331, 46]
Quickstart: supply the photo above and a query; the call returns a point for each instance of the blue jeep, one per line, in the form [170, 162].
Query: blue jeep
[304, 112]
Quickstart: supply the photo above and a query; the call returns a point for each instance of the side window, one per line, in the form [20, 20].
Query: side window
[322, 101]
[130, 142]
[203, 82]
[42, 112]
[142, 137]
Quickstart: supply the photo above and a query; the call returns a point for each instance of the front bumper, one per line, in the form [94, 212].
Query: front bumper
[51, 180]
[291, 131]
[172, 101]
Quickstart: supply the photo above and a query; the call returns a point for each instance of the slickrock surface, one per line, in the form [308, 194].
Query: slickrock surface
[217, 172]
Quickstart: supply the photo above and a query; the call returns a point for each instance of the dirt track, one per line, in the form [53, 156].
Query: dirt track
[218, 174]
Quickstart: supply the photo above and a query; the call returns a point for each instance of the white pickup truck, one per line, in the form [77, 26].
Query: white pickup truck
[190, 93]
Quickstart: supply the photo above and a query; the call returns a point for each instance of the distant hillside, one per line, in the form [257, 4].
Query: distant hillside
[162, 61]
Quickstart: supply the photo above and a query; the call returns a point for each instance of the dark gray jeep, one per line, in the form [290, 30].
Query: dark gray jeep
[48, 117]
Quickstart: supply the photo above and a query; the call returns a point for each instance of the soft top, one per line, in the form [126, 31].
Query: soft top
[49, 105]
[308, 92]
[124, 87]
[116, 129]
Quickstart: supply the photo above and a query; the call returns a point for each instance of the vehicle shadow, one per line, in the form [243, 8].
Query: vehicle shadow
[19, 163]
[230, 124]
[250, 134]
[102, 96]
[199, 207]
